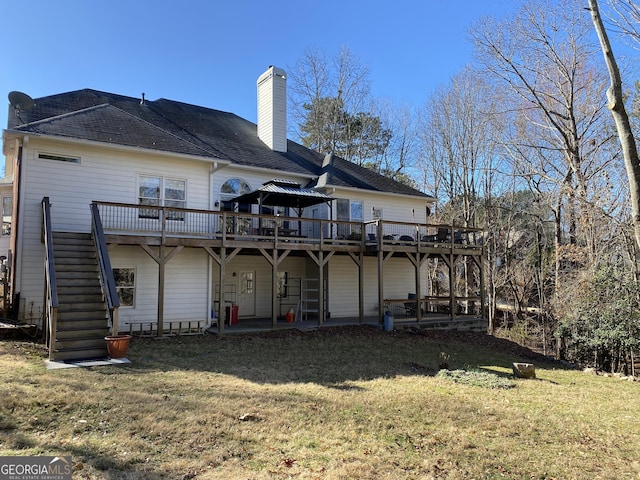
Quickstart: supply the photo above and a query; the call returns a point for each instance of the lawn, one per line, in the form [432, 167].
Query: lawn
[353, 403]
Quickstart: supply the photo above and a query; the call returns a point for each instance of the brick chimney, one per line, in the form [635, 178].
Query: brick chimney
[272, 108]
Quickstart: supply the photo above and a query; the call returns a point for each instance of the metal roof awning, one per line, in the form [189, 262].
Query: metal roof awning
[283, 193]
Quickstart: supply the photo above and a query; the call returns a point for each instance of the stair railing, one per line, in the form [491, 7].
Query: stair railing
[106, 272]
[50, 310]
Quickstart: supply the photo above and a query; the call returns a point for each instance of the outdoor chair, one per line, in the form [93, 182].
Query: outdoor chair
[440, 237]
[411, 308]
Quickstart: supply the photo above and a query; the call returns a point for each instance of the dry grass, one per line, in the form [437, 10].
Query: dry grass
[346, 404]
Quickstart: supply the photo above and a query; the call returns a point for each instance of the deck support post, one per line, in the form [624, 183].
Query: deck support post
[161, 259]
[161, 265]
[275, 258]
[321, 311]
[223, 273]
[359, 261]
[380, 287]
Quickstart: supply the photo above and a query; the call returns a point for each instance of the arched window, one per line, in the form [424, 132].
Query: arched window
[231, 189]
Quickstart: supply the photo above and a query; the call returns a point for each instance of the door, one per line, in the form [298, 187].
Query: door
[247, 294]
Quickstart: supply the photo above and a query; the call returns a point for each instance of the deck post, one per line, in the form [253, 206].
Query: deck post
[161, 263]
[221, 309]
[418, 288]
[361, 287]
[274, 289]
[380, 274]
[321, 310]
[452, 282]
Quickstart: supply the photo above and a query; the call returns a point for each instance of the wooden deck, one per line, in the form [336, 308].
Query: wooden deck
[223, 235]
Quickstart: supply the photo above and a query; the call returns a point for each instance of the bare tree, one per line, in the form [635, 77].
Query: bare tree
[545, 58]
[459, 156]
[400, 158]
[457, 142]
[619, 112]
[323, 92]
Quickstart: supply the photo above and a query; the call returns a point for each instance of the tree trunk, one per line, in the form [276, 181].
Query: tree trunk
[619, 114]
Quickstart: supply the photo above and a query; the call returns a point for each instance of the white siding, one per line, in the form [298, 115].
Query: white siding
[272, 109]
[394, 208]
[112, 175]
[186, 285]
[102, 175]
[399, 276]
[295, 267]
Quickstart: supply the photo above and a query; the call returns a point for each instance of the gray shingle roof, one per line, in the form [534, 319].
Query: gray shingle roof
[181, 128]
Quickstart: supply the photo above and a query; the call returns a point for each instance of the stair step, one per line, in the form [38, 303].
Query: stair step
[82, 314]
[76, 278]
[76, 267]
[73, 247]
[72, 236]
[83, 323]
[83, 288]
[75, 260]
[81, 306]
[80, 342]
[79, 353]
[72, 298]
[90, 331]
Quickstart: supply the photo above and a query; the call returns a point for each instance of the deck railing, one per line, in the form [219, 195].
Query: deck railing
[106, 272]
[151, 220]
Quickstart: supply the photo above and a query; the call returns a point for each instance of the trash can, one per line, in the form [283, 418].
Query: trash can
[388, 321]
[231, 314]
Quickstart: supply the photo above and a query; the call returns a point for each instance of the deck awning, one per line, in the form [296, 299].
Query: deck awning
[283, 193]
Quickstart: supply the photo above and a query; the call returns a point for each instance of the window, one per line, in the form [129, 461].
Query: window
[356, 211]
[348, 211]
[59, 158]
[160, 191]
[231, 189]
[125, 285]
[7, 209]
[246, 283]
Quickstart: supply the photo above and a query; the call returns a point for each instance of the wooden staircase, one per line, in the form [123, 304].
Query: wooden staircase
[82, 311]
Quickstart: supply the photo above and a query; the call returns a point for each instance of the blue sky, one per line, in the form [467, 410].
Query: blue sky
[210, 52]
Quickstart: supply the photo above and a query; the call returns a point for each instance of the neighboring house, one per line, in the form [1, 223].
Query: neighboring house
[202, 208]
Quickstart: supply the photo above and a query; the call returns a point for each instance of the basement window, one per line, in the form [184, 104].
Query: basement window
[125, 285]
[59, 158]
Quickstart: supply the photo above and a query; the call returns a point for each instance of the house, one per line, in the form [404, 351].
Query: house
[186, 215]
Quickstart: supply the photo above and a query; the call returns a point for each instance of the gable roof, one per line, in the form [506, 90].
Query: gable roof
[176, 127]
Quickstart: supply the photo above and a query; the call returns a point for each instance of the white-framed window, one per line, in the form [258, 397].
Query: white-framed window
[160, 191]
[125, 278]
[348, 211]
[356, 211]
[7, 210]
[232, 188]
